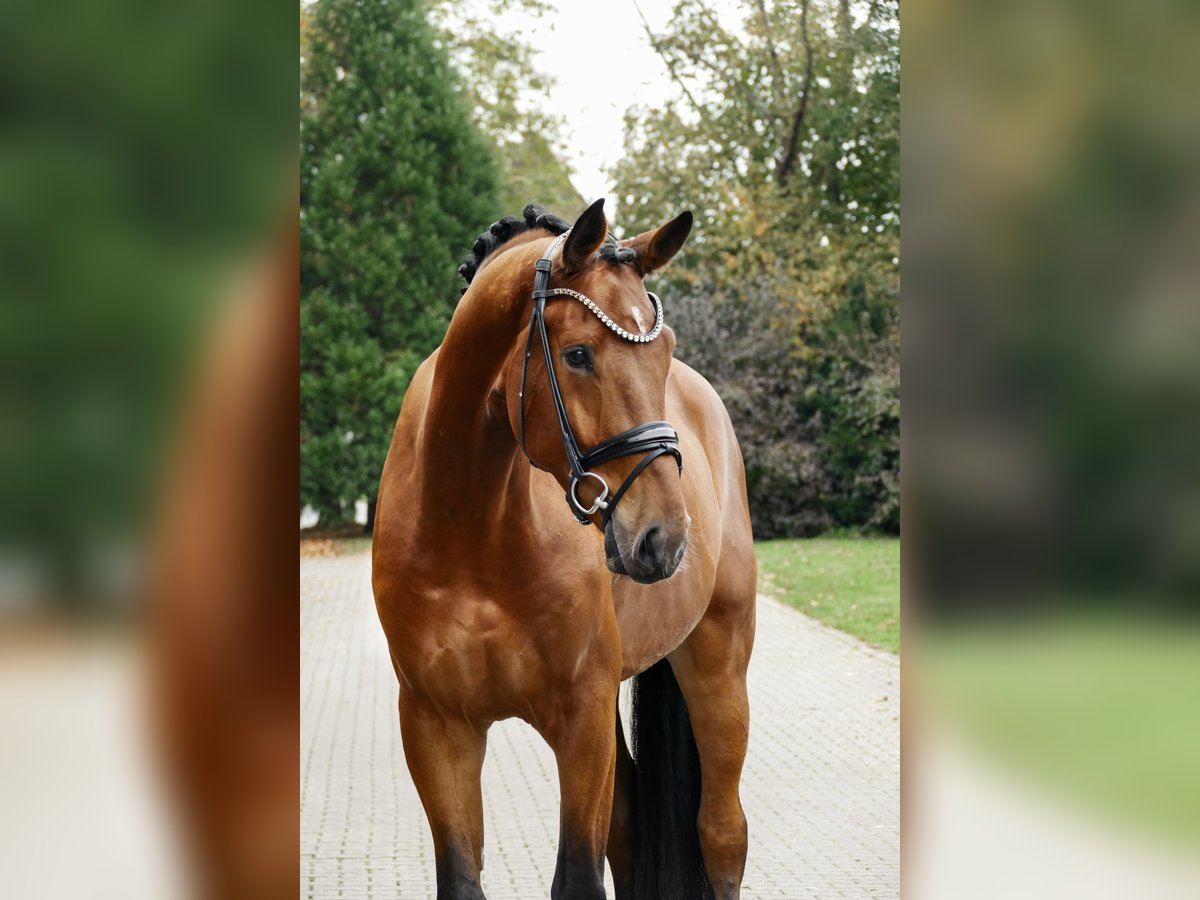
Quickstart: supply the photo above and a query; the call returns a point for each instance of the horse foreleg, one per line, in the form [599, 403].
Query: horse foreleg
[584, 744]
[713, 682]
[620, 849]
[445, 757]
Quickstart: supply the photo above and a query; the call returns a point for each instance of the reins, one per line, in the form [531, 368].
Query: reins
[651, 438]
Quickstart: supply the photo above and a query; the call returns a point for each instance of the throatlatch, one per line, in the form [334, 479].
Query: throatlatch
[652, 438]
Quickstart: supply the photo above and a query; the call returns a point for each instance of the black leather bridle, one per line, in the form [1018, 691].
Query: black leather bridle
[652, 438]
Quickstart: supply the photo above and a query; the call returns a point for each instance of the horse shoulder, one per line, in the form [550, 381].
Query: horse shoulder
[695, 396]
[704, 414]
[696, 407]
[393, 536]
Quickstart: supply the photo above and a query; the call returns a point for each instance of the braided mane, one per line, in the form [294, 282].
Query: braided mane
[532, 216]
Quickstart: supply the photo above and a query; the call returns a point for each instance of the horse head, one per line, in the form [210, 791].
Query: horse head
[611, 358]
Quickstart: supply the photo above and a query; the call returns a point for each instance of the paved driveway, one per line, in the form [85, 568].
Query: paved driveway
[821, 786]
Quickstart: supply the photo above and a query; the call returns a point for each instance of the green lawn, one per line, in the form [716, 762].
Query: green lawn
[852, 584]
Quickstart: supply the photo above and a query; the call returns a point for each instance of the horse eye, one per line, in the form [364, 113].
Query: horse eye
[578, 358]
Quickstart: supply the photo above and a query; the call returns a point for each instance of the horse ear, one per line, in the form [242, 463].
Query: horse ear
[655, 248]
[587, 234]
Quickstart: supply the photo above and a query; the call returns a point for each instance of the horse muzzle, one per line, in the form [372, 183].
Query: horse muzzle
[652, 555]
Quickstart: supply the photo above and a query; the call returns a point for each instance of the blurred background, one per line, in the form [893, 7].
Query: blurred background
[1051, 440]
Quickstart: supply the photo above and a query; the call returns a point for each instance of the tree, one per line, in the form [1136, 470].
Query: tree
[503, 86]
[349, 391]
[395, 183]
[784, 138]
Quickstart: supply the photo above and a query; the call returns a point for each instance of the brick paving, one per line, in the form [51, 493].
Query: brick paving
[821, 786]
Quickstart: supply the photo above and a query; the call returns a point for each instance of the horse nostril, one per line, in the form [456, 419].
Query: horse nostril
[649, 547]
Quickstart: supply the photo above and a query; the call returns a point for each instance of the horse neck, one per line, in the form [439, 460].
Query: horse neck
[467, 446]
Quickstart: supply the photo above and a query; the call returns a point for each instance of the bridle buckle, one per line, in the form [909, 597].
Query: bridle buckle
[601, 502]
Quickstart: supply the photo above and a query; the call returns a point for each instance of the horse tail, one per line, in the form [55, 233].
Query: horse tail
[667, 862]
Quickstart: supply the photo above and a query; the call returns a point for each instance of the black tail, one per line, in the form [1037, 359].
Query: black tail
[667, 863]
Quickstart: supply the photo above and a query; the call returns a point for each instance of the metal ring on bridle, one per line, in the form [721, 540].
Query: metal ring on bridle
[601, 502]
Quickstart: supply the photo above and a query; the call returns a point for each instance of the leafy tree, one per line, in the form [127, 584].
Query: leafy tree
[733, 337]
[502, 86]
[395, 182]
[785, 139]
[349, 392]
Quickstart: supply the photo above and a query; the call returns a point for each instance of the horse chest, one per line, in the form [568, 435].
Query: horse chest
[654, 619]
[485, 650]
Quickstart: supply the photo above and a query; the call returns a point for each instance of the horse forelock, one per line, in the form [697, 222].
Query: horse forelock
[532, 217]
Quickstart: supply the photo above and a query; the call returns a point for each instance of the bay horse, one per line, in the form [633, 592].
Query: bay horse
[496, 604]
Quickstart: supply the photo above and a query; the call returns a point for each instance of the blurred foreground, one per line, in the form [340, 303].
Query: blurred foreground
[83, 814]
[147, 437]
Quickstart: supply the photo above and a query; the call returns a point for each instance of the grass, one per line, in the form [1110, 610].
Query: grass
[852, 584]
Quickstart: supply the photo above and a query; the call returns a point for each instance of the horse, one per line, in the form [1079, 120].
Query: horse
[496, 604]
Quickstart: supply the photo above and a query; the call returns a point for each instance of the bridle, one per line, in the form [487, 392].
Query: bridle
[652, 438]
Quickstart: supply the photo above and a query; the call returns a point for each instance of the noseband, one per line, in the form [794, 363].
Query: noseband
[652, 439]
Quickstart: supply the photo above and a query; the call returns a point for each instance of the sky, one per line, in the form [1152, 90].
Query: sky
[603, 63]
